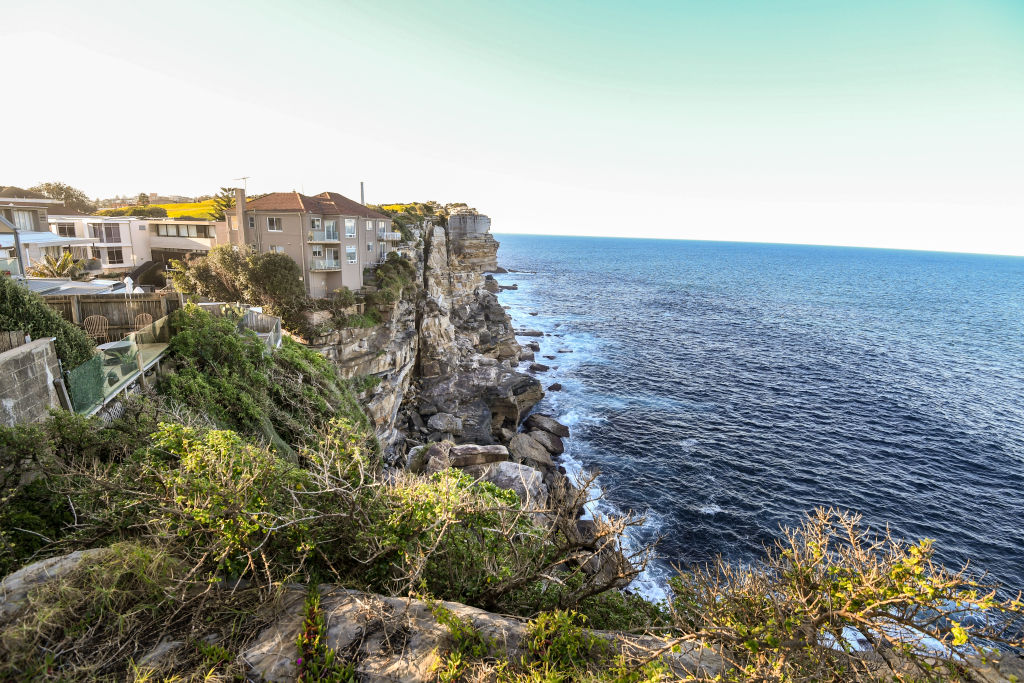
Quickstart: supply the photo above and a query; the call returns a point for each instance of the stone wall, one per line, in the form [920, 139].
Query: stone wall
[27, 391]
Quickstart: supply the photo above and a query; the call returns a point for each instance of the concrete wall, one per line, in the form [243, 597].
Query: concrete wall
[27, 392]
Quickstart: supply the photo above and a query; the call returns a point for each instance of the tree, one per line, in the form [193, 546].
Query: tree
[65, 266]
[223, 202]
[73, 198]
[142, 199]
[21, 309]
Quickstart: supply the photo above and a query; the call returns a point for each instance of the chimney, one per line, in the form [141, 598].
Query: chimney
[238, 237]
[362, 195]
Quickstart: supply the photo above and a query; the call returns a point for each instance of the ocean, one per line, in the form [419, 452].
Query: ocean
[725, 389]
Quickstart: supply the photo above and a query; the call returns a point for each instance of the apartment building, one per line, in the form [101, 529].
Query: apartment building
[331, 236]
[30, 217]
[123, 243]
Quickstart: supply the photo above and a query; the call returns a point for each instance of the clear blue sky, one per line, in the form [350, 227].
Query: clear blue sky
[869, 123]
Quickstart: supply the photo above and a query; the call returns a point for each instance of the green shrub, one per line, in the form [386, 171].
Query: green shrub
[22, 309]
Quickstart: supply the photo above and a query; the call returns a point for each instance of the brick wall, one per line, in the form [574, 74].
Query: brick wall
[27, 391]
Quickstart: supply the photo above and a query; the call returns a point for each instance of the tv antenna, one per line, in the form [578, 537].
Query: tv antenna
[245, 182]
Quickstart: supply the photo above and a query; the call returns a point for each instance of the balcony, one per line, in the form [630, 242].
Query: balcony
[389, 236]
[324, 264]
[323, 236]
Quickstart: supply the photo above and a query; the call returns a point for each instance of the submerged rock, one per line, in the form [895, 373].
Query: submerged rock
[538, 367]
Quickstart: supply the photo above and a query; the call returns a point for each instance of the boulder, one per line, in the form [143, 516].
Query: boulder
[534, 346]
[547, 424]
[417, 422]
[15, 588]
[549, 441]
[565, 350]
[550, 357]
[445, 422]
[529, 333]
[533, 312]
[526, 355]
[436, 457]
[555, 387]
[527, 482]
[472, 454]
[538, 367]
[526, 449]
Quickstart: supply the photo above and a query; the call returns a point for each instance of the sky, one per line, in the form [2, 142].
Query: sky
[866, 123]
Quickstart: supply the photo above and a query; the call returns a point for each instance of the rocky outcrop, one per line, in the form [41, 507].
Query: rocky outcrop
[401, 639]
[466, 348]
[547, 424]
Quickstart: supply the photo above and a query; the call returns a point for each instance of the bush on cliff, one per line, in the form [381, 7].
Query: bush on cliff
[284, 396]
[271, 280]
[395, 277]
[22, 309]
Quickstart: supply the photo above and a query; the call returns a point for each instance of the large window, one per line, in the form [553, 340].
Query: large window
[115, 256]
[25, 220]
[350, 254]
[318, 251]
[274, 224]
[175, 230]
[66, 229]
[350, 227]
[107, 233]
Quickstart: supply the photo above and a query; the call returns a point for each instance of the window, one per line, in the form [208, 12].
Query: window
[24, 220]
[66, 229]
[350, 227]
[314, 223]
[193, 230]
[350, 254]
[252, 221]
[276, 249]
[274, 223]
[369, 247]
[369, 225]
[115, 256]
[112, 233]
[318, 251]
[96, 230]
[331, 229]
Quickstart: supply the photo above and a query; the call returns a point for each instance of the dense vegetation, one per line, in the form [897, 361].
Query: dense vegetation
[274, 281]
[22, 309]
[250, 470]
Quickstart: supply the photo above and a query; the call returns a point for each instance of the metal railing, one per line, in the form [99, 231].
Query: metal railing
[325, 264]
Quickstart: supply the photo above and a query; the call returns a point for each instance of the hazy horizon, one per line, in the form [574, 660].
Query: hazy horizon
[854, 124]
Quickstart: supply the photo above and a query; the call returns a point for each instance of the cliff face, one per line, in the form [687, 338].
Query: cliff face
[448, 351]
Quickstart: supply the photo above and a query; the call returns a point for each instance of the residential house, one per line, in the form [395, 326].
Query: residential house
[29, 216]
[124, 243]
[331, 236]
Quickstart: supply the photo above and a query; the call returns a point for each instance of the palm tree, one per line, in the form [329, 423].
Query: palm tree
[65, 266]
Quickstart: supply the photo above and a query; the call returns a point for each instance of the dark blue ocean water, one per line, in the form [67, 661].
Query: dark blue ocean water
[727, 388]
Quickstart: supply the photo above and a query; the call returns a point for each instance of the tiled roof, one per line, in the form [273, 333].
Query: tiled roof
[325, 203]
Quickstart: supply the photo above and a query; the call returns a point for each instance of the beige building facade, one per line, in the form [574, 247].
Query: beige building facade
[332, 237]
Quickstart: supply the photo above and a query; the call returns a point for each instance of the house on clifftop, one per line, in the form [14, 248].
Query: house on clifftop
[332, 237]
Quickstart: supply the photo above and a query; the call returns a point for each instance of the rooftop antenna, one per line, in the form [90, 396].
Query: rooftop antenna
[245, 182]
[362, 195]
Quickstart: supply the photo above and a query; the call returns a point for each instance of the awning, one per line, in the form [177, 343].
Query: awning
[43, 239]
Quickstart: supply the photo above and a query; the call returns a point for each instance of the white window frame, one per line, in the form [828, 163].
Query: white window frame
[252, 221]
[274, 220]
[369, 225]
[350, 223]
[112, 262]
[317, 250]
[66, 226]
[369, 247]
[351, 254]
[315, 223]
